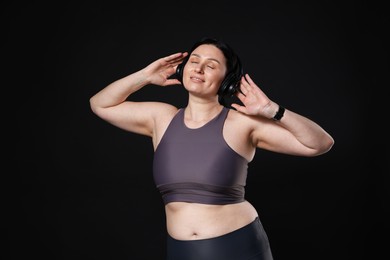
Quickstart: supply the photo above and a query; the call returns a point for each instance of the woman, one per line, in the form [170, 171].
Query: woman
[202, 150]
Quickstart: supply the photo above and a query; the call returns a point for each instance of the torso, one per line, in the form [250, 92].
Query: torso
[189, 221]
[236, 132]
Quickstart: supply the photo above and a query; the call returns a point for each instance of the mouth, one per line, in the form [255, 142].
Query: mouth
[196, 79]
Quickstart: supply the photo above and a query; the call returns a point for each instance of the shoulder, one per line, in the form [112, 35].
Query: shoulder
[156, 109]
[237, 117]
[238, 122]
[163, 116]
[245, 124]
[238, 133]
[163, 113]
[168, 110]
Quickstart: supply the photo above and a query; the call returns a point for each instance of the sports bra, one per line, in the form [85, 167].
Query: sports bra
[197, 165]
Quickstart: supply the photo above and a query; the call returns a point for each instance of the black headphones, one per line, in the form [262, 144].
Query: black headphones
[229, 86]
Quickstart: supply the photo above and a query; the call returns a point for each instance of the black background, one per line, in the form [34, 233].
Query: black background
[79, 188]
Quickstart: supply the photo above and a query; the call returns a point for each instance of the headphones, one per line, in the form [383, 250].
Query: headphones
[229, 86]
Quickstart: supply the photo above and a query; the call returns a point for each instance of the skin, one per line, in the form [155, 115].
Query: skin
[246, 129]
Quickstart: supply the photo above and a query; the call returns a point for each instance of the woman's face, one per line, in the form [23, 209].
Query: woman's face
[204, 71]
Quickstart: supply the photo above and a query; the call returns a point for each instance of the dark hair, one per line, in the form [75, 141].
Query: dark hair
[231, 83]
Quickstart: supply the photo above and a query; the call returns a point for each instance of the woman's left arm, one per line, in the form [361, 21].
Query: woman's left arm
[284, 131]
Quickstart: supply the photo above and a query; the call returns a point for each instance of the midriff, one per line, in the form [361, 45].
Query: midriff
[191, 221]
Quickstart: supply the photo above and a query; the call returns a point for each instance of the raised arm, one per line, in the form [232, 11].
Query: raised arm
[111, 102]
[292, 134]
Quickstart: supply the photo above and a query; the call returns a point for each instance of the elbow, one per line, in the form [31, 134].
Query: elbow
[92, 104]
[328, 143]
[325, 146]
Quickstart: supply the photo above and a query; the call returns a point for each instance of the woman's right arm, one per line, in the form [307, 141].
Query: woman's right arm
[111, 102]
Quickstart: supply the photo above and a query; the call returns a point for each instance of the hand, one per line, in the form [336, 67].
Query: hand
[255, 101]
[159, 71]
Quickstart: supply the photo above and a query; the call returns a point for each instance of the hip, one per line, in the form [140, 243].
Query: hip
[247, 242]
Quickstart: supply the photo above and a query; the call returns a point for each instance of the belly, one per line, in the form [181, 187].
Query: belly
[189, 221]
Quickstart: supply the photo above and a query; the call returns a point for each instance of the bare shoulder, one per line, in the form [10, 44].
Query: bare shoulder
[163, 115]
[240, 125]
[163, 111]
[144, 118]
[153, 110]
[242, 120]
[238, 132]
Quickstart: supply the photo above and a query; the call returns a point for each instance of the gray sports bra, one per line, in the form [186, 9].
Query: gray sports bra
[197, 165]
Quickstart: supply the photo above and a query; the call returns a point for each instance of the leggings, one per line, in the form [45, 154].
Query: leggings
[247, 243]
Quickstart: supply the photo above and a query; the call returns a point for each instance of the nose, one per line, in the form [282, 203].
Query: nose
[198, 68]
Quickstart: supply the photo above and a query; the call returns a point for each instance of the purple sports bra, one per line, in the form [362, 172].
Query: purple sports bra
[197, 165]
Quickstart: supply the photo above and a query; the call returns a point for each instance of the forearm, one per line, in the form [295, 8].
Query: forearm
[119, 90]
[306, 131]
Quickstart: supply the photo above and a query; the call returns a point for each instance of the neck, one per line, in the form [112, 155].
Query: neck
[202, 112]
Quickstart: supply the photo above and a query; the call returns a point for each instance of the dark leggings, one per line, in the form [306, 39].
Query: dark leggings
[247, 243]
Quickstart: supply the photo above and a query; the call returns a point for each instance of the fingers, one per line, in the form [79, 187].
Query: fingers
[249, 80]
[239, 108]
[244, 85]
[176, 57]
[173, 56]
[248, 85]
[240, 95]
[169, 82]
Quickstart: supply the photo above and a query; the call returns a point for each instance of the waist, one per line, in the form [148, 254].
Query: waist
[201, 193]
[191, 221]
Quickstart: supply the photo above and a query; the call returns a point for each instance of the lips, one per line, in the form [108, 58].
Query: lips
[196, 79]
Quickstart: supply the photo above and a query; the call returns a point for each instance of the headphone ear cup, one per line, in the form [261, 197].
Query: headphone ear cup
[180, 69]
[179, 72]
[229, 86]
